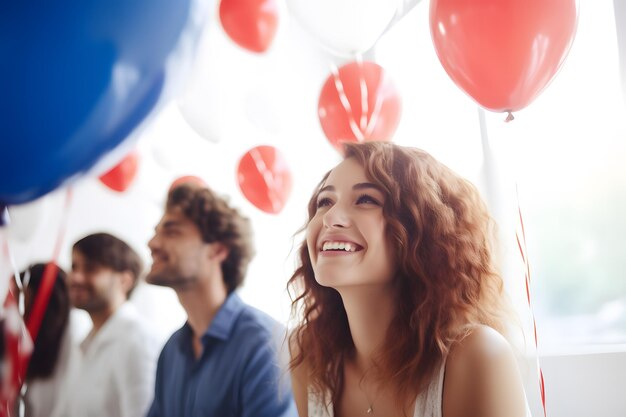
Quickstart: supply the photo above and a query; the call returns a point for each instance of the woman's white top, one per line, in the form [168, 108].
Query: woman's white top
[428, 403]
[42, 393]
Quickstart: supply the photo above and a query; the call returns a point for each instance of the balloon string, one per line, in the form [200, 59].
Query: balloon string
[520, 236]
[268, 178]
[364, 94]
[18, 347]
[378, 106]
[9, 256]
[17, 341]
[6, 254]
[343, 99]
[509, 117]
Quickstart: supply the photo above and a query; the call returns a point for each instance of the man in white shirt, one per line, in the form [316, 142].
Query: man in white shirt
[113, 371]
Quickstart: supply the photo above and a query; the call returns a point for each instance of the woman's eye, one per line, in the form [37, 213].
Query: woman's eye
[367, 199]
[322, 202]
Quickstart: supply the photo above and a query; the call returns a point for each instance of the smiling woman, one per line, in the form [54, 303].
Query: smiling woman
[346, 236]
[403, 308]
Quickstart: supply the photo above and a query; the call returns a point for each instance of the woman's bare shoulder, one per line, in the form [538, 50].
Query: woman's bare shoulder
[482, 377]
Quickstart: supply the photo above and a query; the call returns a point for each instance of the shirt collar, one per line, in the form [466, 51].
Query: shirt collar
[220, 328]
[109, 329]
[224, 320]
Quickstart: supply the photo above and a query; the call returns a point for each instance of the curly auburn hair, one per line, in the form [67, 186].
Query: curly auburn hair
[446, 281]
[217, 222]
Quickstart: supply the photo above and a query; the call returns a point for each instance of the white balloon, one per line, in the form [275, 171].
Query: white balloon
[25, 219]
[213, 86]
[404, 7]
[345, 27]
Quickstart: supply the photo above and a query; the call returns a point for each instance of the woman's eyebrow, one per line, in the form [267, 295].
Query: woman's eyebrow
[359, 186]
[365, 185]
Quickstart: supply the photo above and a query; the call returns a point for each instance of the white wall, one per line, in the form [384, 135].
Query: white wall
[583, 384]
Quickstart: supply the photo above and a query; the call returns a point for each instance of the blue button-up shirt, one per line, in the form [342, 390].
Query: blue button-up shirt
[237, 375]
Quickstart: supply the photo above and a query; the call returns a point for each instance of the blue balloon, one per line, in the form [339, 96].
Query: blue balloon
[76, 77]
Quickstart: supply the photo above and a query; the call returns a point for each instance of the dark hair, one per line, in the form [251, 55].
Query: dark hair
[217, 222]
[55, 319]
[446, 280]
[106, 250]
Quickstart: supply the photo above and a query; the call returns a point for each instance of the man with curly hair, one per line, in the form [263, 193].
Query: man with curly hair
[223, 361]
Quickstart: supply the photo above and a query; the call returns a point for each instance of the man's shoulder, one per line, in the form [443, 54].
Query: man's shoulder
[254, 324]
[176, 337]
[131, 328]
[132, 320]
[253, 317]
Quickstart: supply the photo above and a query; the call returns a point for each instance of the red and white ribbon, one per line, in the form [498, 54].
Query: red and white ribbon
[18, 342]
[520, 236]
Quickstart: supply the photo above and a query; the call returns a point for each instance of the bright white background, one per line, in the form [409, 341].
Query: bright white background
[563, 154]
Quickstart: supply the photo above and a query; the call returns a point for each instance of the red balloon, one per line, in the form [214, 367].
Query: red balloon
[264, 178]
[188, 179]
[502, 53]
[251, 24]
[122, 175]
[359, 103]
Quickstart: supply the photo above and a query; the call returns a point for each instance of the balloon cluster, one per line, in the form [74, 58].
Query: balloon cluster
[502, 53]
[106, 65]
[358, 101]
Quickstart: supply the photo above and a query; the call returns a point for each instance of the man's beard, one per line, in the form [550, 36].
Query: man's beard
[170, 278]
[92, 304]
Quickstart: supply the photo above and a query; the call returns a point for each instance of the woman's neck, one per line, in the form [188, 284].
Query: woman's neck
[370, 310]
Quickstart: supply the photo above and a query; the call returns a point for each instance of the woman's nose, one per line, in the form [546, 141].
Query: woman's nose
[337, 216]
